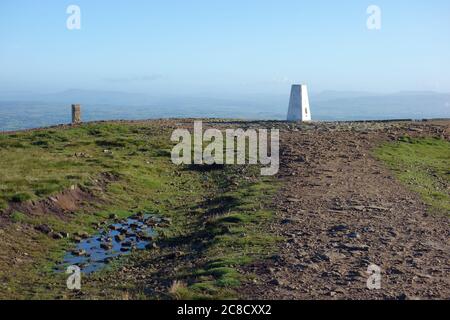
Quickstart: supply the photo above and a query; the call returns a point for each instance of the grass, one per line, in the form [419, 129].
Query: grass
[222, 213]
[37, 164]
[233, 234]
[423, 165]
[41, 163]
[18, 217]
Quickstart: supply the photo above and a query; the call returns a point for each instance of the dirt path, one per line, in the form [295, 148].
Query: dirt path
[340, 211]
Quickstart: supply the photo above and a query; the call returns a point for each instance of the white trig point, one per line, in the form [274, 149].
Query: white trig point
[299, 104]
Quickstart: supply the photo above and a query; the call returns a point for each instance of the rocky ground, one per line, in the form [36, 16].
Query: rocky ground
[341, 210]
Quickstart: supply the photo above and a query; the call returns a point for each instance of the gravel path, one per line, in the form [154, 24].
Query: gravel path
[340, 211]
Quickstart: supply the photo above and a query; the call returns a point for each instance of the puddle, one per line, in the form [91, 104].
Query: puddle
[118, 239]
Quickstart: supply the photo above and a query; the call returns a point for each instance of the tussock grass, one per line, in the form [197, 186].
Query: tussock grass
[423, 165]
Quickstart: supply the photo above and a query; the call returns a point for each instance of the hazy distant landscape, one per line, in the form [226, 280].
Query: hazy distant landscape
[26, 110]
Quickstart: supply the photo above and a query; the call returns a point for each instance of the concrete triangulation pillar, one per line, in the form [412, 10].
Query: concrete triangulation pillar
[299, 104]
[76, 113]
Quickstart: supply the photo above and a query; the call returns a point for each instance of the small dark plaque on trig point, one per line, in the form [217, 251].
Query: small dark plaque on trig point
[76, 113]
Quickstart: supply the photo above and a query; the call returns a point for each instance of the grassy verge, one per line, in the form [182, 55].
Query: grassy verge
[35, 165]
[423, 165]
[220, 214]
[232, 232]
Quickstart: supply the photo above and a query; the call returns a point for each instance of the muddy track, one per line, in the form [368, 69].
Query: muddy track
[340, 210]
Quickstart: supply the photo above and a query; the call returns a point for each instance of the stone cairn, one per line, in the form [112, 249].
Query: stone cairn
[76, 114]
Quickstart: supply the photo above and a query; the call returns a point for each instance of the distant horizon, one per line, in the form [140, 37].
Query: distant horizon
[31, 111]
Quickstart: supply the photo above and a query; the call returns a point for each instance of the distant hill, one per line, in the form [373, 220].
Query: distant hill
[27, 110]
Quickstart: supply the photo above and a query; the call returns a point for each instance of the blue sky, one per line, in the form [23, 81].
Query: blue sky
[224, 47]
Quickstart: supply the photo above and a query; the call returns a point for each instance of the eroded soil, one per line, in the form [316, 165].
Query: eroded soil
[340, 210]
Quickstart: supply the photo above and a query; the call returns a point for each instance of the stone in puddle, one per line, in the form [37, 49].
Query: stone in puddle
[106, 246]
[150, 222]
[143, 236]
[127, 244]
[119, 237]
[79, 253]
